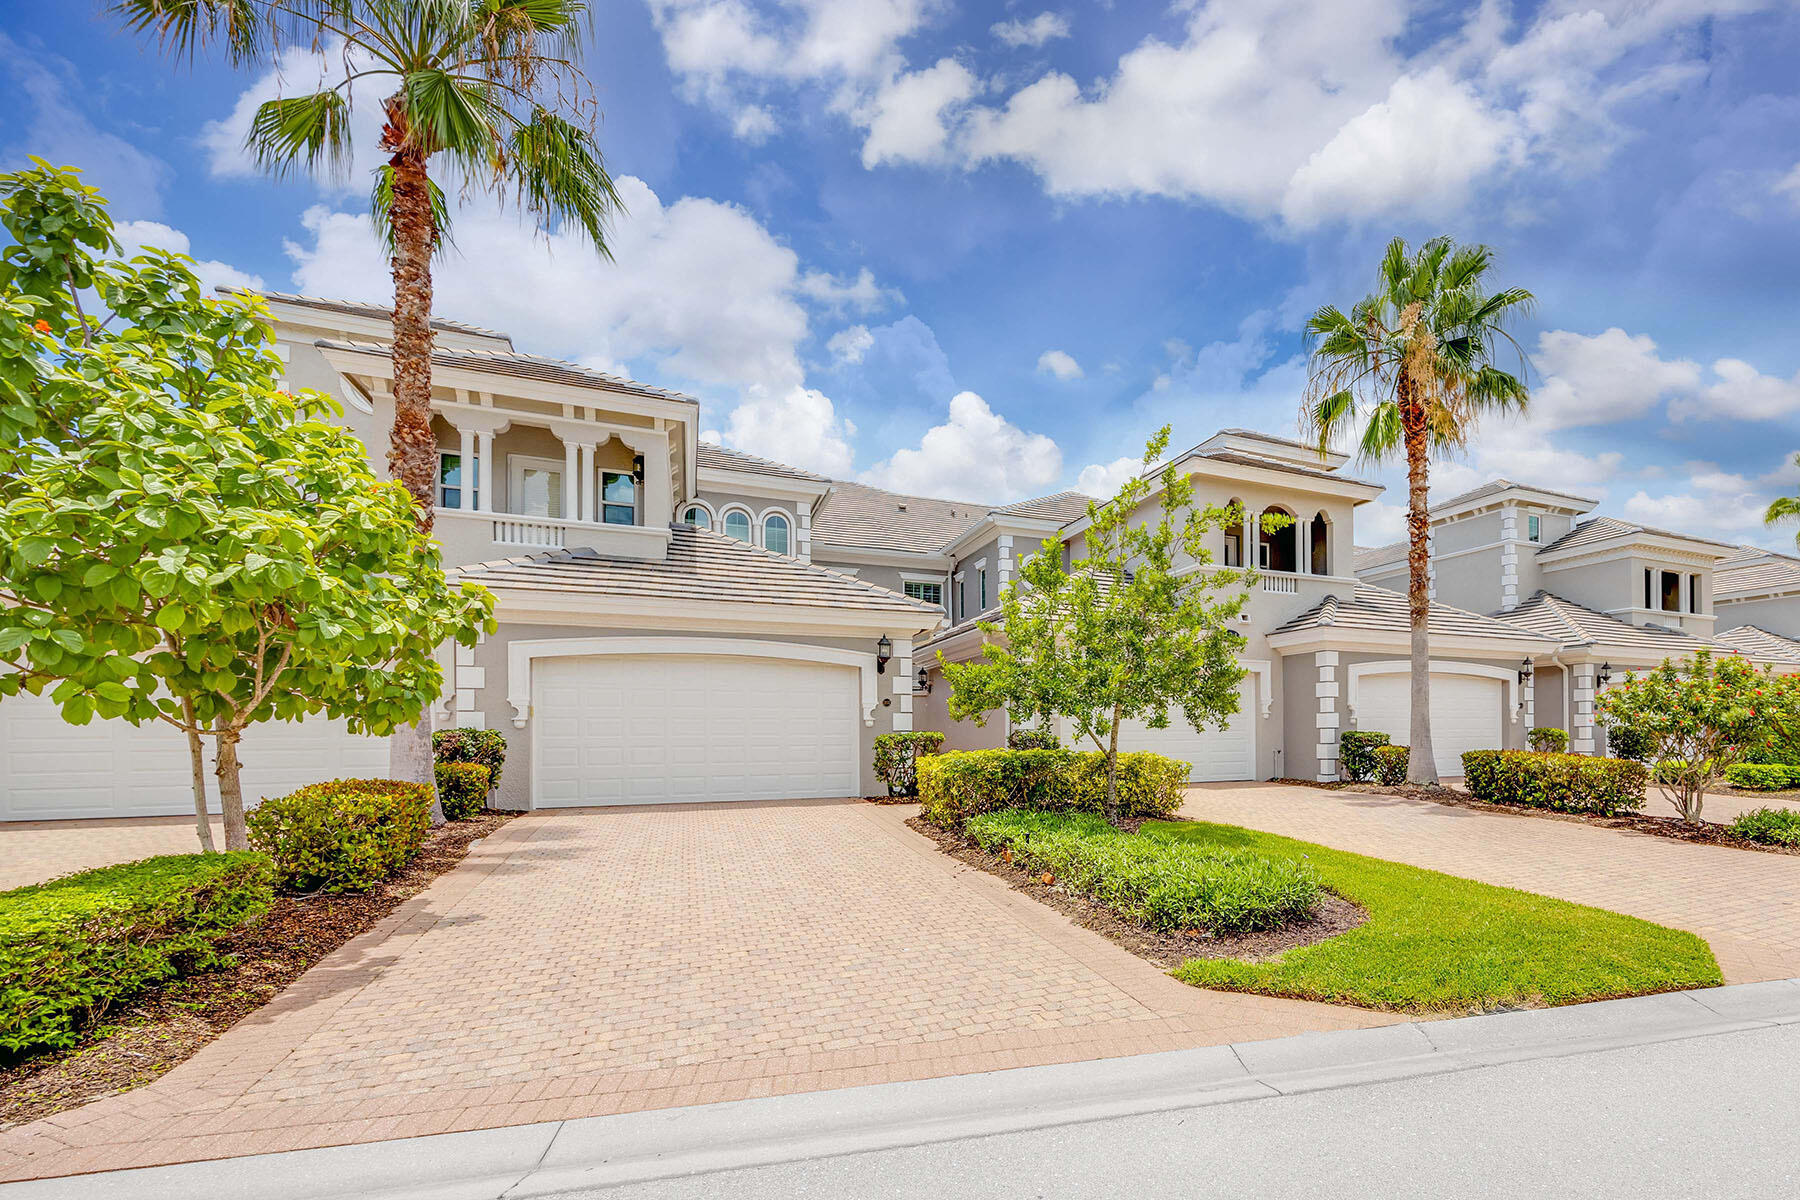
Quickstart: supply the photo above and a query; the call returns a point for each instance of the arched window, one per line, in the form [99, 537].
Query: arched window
[737, 524]
[775, 533]
[698, 517]
[1278, 548]
[1319, 546]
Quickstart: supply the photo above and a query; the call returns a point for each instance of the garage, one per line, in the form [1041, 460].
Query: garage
[51, 770]
[1466, 713]
[689, 728]
[1226, 754]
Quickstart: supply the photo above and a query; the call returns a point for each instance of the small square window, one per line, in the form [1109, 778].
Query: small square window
[929, 593]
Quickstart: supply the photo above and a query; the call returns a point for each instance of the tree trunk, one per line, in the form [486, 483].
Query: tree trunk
[1421, 764]
[231, 789]
[412, 448]
[1112, 772]
[197, 766]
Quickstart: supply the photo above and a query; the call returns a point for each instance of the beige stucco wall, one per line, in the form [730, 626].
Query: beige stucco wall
[1778, 615]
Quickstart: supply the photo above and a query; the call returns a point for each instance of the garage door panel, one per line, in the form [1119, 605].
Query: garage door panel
[1215, 755]
[1466, 713]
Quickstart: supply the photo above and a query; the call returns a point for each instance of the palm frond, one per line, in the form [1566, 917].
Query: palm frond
[1381, 435]
[301, 130]
[560, 175]
[183, 26]
[454, 114]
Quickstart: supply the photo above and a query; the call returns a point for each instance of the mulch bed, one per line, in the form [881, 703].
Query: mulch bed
[163, 1027]
[1166, 950]
[1705, 832]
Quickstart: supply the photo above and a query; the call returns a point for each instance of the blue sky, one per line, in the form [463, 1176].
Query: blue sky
[983, 250]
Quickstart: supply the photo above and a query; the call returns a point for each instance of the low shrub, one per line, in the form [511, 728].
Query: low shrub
[1548, 739]
[1628, 742]
[1773, 826]
[342, 836]
[71, 948]
[1356, 752]
[1564, 782]
[462, 789]
[1162, 883]
[897, 758]
[964, 783]
[484, 746]
[1391, 763]
[1032, 739]
[1762, 777]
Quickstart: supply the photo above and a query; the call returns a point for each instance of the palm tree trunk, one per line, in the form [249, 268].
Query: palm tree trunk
[1421, 764]
[412, 448]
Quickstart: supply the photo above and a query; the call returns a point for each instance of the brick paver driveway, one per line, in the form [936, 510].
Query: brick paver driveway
[33, 851]
[582, 963]
[1745, 903]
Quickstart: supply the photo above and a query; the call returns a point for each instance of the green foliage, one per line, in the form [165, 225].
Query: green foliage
[1698, 717]
[71, 948]
[1160, 883]
[1436, 943]
[1628, 743]
[1772, 826]
[897, 757]
[342, 836]
[1785, 510]
[1547, 739]
[1032, 739]
[462, 789]
[484, 746]
[1762, 777]
[1130, 631]
[1565, 782]
[1356, 752]
[963, 783]
[1390, 764]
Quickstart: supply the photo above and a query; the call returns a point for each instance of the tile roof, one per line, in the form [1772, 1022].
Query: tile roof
[1058, 506]
[718, 457]
[1378, 609]
[352, 308]
[855, 514]
[521, 366]
[701, 565]
[1577, 624]
[1755, 574]
[1260, 436]
[1604, 529]
[1495, 486]
[1368, 557]
[1275, 464]
[1760, 643]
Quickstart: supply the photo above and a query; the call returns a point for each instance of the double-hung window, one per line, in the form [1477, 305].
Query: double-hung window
[618, 498]
[451, 481]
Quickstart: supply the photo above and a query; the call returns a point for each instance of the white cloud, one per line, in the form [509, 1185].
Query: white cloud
[1060, 364]
[1611, 376]
[799, 426]
[849, 345]
[1378, 523]
[1045, 27]
[862, 293]
[299, 72]
[1789, 185]
[906, 116]
[1730, 516]
[136, 236]
[1103, 480]
[1742, 392]
[754, 124]
[974, 450]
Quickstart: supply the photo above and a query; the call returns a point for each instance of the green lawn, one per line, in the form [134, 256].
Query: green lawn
[1435, 941]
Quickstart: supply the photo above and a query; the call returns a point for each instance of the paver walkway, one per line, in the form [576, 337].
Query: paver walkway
[1745, 903]
[33, 851]
[585, 963]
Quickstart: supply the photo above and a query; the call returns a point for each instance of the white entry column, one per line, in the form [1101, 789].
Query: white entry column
[1327, 719]
[1581, 708]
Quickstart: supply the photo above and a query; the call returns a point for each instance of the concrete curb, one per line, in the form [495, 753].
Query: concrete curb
[552, 1158]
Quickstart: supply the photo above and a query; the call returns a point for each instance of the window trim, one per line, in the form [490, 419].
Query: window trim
[712, 522]
[906, 586]
[1534, 528]
[725, 515]
[516, 465]
[762, 529]
[475, 465]
[637, 490]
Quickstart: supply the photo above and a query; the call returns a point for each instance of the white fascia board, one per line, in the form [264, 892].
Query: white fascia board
[1688, 552]
[995, 524]
[1555, 502]
[831, 551]
[1768, 593]
[288, 318]
[529, 606]
[754, 483]
[1333, 638]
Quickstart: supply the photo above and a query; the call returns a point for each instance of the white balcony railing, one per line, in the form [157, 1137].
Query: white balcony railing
[475, 536]
[531, 531]
[1281, 585]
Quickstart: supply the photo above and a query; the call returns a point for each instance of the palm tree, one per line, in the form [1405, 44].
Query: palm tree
[477, 84]
[1412, 363]
[1783, 509]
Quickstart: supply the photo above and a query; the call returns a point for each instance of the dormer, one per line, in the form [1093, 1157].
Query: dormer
[1267, 445]
[1639, 574]
[756, 500]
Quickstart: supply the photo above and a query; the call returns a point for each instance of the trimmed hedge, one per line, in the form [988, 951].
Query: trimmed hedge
[897, 758]
[484, 746]
[1625, 742]
[342, 836]
[964, 783]
[1564, 782]
[1773, 826]
[462, 789]
[1391, 763]
[1356, 752]
[1162, 883]
[1762, 777]
[1032, 739]
[72, 947]
[1548, 739]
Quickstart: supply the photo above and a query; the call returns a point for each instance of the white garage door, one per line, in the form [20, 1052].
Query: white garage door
[50, 769]
[1215, 754]
[659, 729]
[1466, 712]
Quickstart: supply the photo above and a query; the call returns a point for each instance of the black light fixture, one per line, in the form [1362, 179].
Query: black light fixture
[1525, 670]
[1605, 676]
[923, 683]
[884, 651]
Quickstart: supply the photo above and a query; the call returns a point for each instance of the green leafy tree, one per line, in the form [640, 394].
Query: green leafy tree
[180, 540]
[1408, 371]
[1785, 510]
[489, 89]
[1134, 629]
[1698, 717]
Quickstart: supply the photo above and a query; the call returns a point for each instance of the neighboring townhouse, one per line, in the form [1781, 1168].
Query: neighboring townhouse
[1612, 595]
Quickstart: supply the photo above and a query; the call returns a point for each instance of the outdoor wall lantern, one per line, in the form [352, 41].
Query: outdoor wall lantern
[1525, 673]
[923, 683]
[1605, 675]
[884, 652]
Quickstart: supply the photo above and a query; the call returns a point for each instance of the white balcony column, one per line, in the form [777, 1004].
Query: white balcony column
[1301, 531]
[571, 473]
[466, 461]
[486, 470]
[1252, 547]
[587, 492]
